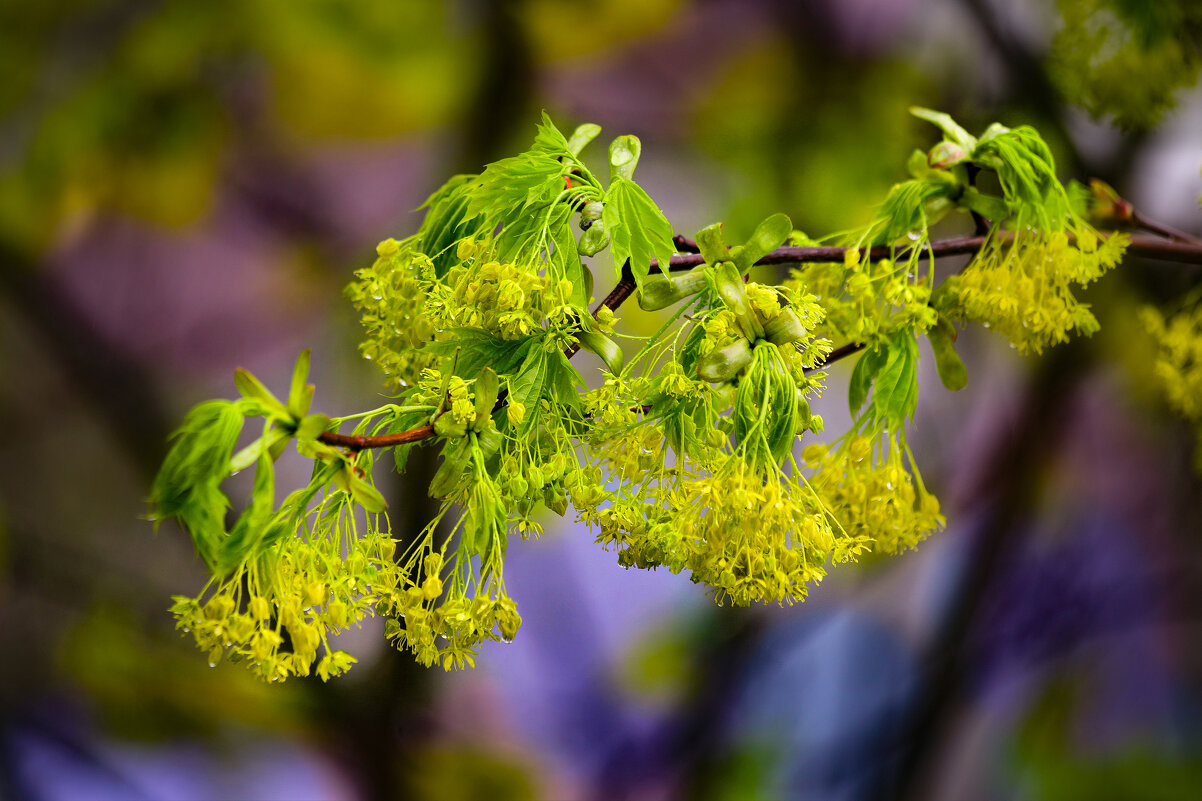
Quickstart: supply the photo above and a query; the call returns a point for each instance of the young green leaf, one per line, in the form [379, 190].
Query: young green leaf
[247, 533]
[512, 185]
[478, 349]
[896, 393]
[366, 495]
[444, 223]
[548, 140]
[188, 485]
[948, 363]
[603, 346]
[526, 387]
[624, 155]
[312, 426]
[638, 230]
[252, 389]
[298, 398]
[862, 376]
[456, 456]
[945, 123]
[582, 136]
[767, 237]
[486, 389]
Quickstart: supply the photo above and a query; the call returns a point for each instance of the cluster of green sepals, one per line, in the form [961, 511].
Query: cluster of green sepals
[696, 452]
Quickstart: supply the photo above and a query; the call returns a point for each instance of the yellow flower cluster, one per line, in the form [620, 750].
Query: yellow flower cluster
[392, 302]
[866, 487]
[622, 439]
[860, 299]
[444, 622]
[1022, 286]
[278, 613]
[755, 537]
[1179, 362]
[507, 300]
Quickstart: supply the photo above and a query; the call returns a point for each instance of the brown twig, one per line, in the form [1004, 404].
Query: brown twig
[1162, 229]
[1153, 247]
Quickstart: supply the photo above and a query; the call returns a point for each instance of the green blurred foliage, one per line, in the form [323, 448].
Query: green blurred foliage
[1127, 59]
[823, 149]
[658, 667]
[559, 31]
[1055, 766]
[145, 687]
[454, 772]
[133, 110]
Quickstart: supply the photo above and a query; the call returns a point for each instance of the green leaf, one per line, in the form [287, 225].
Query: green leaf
[948, 363]
[949, 127]
[244, 539]
[252, 389]
[485, 389]
[582, 136]
[444, 223]
[265, 444]
[563, 382]
[527, 386]
[624, 155]
[455, 458]
[549, 141]
[478, 349]
[866, 369]
[484, 523]
[298, 399]
[367, 496]
[188, 485]
[603, 346]
[896, 393]
[767, 237]
[512, 185]
[990, 207]
[566, 257]
[312, 427]
[639, 231]
[782, 413]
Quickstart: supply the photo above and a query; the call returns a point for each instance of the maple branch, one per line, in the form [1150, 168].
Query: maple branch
[1186, 251]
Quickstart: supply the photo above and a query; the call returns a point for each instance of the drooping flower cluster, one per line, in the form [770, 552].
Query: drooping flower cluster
[278, 613]
[1023, 286]
[441, 616]
[866, 486]
[864, 299]
[506, 300]
[390, 296]
[758, 537]
[1178, 366]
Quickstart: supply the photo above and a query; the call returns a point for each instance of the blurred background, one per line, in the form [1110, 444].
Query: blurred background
[185, 187]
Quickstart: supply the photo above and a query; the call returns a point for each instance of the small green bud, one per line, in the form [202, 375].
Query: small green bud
[946, 154]
[784, 328]
[590, 214]
[725, 363]
[595, 240]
